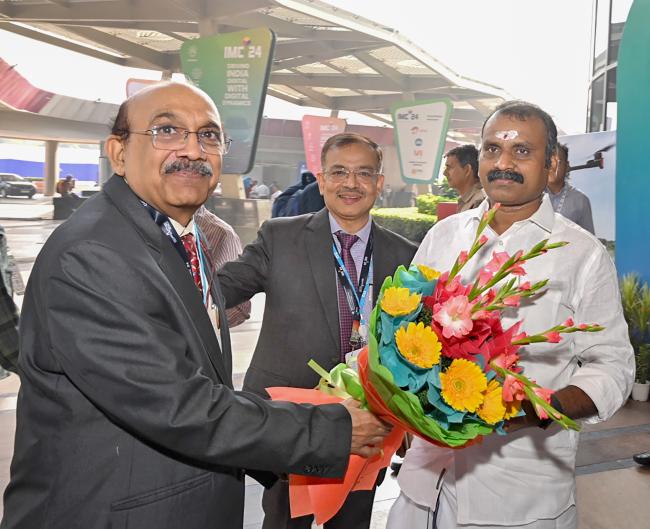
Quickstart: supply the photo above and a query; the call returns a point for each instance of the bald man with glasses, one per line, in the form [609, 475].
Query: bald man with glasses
[126, 415]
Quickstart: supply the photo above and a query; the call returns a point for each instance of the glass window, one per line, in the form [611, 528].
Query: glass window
[602, 34]
[597, 105]
[612, 113]
[620, 10]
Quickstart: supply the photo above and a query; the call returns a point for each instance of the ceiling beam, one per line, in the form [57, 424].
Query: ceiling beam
[378, 118]
[155, 59]
[296, 48]
[285, 97]
[180, 27]
[316, 99]
[330, 80]
[382, 68]
[225, 9]
[122, 10]
[358, 81]
[64, 43]
[310, 59]
[283, 27]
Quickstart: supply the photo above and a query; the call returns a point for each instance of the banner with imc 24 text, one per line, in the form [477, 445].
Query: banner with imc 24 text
[234, 69]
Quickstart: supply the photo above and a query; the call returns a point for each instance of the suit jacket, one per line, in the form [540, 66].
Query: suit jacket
[291, 261]
[126, 416]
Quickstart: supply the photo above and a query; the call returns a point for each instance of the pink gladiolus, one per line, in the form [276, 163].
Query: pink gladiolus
[525, 285]
[506, 361]
[462, 257]
[512, 301]
[544, 394]
[553, 337]
[484, 277]
[497, 261]
[513, 389]
[455, 316]
[483, 239]
[568, 323]
[583, 326]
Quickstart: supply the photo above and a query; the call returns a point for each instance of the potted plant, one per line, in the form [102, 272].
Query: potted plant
[635, 298]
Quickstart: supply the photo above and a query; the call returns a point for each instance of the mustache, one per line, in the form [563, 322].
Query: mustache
[354, 190]
[505, 175]
[193, 166]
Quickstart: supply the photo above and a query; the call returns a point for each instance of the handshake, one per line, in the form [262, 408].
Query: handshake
[368, 431]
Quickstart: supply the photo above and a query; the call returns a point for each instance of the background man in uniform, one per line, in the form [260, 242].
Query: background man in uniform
[126, 415]
[461, 171]
[525, 479]
[321, 274]
[566, 199]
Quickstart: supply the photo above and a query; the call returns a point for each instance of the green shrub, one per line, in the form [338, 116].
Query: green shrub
[428, 203]
[405, 221]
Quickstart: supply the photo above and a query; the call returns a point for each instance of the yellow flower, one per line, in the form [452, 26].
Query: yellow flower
[399, 301]
[512, 409]
[429, 273]
[463, 385]
[418, 344]
[492, 410]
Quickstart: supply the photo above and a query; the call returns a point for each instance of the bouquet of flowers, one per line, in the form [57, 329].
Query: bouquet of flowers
[439, 363]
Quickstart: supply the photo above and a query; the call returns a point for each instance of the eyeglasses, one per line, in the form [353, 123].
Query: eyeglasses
[172, 138]
[341, 174]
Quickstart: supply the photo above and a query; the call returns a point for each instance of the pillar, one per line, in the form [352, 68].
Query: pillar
[51, 167]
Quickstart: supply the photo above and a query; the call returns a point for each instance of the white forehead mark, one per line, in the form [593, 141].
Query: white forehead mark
[507, 135]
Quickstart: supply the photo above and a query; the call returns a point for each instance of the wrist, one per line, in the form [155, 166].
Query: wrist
[545, 423]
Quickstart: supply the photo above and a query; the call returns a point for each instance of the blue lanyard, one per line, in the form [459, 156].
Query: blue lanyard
[202, 260]
[355, 296]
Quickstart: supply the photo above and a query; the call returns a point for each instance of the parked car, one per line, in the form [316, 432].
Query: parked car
[15, 185]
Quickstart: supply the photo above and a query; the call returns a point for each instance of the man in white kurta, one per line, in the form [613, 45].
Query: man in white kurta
[524, 479]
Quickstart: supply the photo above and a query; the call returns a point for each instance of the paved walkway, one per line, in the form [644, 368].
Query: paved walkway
[613, 491]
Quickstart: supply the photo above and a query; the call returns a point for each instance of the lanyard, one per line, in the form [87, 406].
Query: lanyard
[168, 229]
[355, 295]
[166, 226]
[205, 264]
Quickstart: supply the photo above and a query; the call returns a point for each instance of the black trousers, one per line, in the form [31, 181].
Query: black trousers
[355, 513]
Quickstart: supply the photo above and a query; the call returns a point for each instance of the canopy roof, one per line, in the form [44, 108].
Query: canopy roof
[325, 57]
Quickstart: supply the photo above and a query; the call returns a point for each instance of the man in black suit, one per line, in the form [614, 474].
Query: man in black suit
[321, 274]
[126, 414]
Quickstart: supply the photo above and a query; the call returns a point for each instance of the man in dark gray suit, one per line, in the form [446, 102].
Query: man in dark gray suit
[126, 415]
[321, 274]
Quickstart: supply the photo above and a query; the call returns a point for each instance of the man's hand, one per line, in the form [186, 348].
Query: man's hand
[367, 431]
[525, 421]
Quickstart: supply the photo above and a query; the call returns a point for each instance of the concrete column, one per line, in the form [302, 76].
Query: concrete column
[51, 167]
[232, 186]
[105, 169]
[334, 113]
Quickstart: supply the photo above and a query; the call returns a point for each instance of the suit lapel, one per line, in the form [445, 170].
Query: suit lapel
[224, 331]
[174, 269]
[318, 242]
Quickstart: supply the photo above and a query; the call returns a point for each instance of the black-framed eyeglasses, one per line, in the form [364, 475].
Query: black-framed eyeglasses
[341, 174]
[172, 138]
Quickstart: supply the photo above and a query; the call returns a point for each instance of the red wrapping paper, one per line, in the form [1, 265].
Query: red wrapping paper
[323, 497]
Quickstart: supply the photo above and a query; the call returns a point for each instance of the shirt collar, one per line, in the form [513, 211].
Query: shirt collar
[183, 230]
[544, 217]
[566, 187]
[472, 191]
[363, 233]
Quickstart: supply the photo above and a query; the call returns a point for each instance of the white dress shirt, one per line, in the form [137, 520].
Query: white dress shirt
[529, 475]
